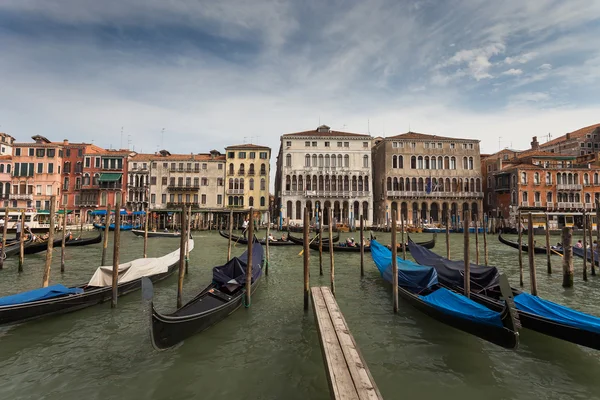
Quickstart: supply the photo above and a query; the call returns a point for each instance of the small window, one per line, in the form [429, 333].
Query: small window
[471, 146]
[288, 143]
[17, 151]
[366, 144]
[204, 165]
[263, 155]
[68, 152]
[252, 154]
[582, 144]
[230, 154]
[306, 144]
[395, 145]
[31, 152]
[327, 144]
[220, 167]
[346, 144]
[439, 145]
[40, 152]
[339, 144]
[314, 144]
[452, 145]
[242, 154]
[426, 145]
[51, 153]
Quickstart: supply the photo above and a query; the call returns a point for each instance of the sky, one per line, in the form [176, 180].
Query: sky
[213, 74]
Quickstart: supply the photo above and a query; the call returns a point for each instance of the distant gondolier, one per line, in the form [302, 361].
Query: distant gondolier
[245, 227]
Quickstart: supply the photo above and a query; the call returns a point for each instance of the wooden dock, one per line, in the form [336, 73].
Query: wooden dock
[347, 371]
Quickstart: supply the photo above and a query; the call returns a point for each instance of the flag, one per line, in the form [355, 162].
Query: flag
[428, 185]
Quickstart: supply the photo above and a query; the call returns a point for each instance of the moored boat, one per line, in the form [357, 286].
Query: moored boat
[79, 241]
[525, 247]
[277, 242]
[140, 232]
[214, 303]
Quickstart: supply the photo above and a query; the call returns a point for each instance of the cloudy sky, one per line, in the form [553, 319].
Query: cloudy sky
[215, 73]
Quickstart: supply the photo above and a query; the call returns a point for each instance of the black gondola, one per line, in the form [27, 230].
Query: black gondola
[579, 252]
[215, 302]
[37, 247]
[88, 296]
[140, 232]
[15, 247]
[352, 249]
[485, 290]
[83, 241]
[278, 242]
[525, 247]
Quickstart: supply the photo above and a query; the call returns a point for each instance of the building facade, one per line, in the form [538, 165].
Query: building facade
[423, 177]
[490, 163]
[36, 174]
[112, 178]
[247, 177]
[138, 183]
[322, 169]
[577, 143]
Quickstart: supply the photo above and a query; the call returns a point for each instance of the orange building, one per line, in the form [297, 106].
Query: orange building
[36, 173]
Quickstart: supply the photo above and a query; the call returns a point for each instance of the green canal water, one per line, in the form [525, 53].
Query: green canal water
[271, 350]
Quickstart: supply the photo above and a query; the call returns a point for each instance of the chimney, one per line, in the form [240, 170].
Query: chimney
[535, 145]
[65, 142]
[568, 136]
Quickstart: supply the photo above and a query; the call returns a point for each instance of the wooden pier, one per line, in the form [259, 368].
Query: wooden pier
[347, 371]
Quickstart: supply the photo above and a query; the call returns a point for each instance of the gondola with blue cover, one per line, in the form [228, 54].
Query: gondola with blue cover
[419, 286]
[535, 313]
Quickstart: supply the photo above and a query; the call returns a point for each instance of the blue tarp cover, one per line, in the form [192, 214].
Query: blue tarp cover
[462, 307]
[411, 276]
[557, 313]
[38, 294]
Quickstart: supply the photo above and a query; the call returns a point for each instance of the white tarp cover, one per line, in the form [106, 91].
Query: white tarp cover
[135, 269]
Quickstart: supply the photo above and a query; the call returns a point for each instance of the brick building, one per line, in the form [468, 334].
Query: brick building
[577, 143]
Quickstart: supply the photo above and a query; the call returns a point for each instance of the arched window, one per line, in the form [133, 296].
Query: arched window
[400, 161]
[465, 163]
[389, 183]
[595, 177]
[327, 161]
[230, 200]
[321, 161]
[251, 201]
[446, 162]
[241, 183]
[242, 169]
[586, 179]
[251, 169]
[548, 178]
[549, 197]
[536, 178]
[426, 162]
[365, 161]
[231, 169]
[96, 179]
[339, 164]
[251, 186]
[236, 184]
[420, 162]
[66, 184]
[300, 183]
[288, 160]
[262, 201]
[230, 183]
[413, 162]
[433, 162]
[395, 161]
[588, 198]
[8, 169]
[314, 160]
[86, 180]
[523, 178]
[307, 160]
[263, 182]
[1, 168]
[346, 160]
[333, 161]
[452, 162]
[470, 162]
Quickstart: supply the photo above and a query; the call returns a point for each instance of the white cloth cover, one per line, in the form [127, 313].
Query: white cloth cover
[135, 269]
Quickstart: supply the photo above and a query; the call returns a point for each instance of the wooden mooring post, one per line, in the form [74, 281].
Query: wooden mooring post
[146, 235]
[597, 234]
[188, 228]
[250, 263]
[467, 277]
[394, 262]
[531, 253]
[22, 242]
[181, 257]
[585, 221]
[567, 266]
[485, 247]
[305, 230]
[520, 228]
[230, 233]
[320, 214]
[64, 239]
[548, 248]
[447, 236]
[476, 240]
[267, 245]
[402, 236]
[362, 246]
[116, 250]
[105, 238]
[591, 236]
[4, 233]
[347, 372]
[331, 257]
[50, 246]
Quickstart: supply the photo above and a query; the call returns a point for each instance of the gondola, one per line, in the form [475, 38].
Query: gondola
[579, 252]
[430, 244]
[58, 299]
[124, 227]
[76, 242]
[535, 313]
[525, 247]
[139, 232]
[41, 245]
[418, 285]
[214, 303]
[15, 247]
[342, 247]
[278, 242]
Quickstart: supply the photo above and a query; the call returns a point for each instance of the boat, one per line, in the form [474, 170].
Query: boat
[124, 227]
[39, 245]
[79, 241]
[579, 252]
[430, 244]
[214, 303]
[342, 247]
[15, 247]
[59, 299]
[433, 229]
[278, 242]
[525, 247]
[460, 229]
[418, 285]
[140, 232]
[535, 313]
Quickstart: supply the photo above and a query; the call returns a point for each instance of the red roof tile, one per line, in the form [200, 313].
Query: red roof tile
[574, 135]
[424, 136]
[325, 131]
[247, 146]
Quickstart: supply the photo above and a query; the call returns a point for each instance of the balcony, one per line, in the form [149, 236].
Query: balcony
[178, 205]
[569, 205]
[524, 204]
[537, 204]
[235, 191]
[241, 172]
[251, 172]
[434, 195]
[183, 187]
[20, 196]
[570, 186]
[549, 206]
[589, 206]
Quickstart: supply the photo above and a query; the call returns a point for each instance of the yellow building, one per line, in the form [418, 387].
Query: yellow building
[247, 177]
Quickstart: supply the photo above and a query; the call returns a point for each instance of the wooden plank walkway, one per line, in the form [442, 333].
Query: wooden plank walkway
[347, 372]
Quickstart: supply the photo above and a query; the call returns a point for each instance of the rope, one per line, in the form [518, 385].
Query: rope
[244, 301]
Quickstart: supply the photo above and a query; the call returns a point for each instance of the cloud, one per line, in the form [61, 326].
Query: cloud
[545, 67]
[520, 59]
[513, 72]
[476, 61]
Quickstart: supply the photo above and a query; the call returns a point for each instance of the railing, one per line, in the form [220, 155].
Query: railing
[420, 194]
[589, 206]
[549, 205]
[524, 204]
[251, 172]
[337, 193]
[183, 187]
[235, 191]
[537, 204]
[263, 172]
[501, 188]
[569, 205]
[177, 204]
[241, 172]
[20, 196]
[570, 186]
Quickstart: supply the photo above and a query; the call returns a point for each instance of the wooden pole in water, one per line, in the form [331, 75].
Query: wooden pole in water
[467, 283]
[22, 242]
[531, 245]
[181, 259]
[106, 230]
[567, 237]
[331, 260]
[187, 239]
[485, 248]
[597, 233]
[4, 233]
[402, 236]
[548, 248]
[249, 265]
[230, 233]
[64, 239]
[268, 258]
[447, 236]
[584, 245]
[591, 236]
[520, 228]
[146, 235]
[306, 258]
[116, 248]
[362, 246]
[50, 247]
[394, 263]
[476, 240]
[80, 223]
[320, 242]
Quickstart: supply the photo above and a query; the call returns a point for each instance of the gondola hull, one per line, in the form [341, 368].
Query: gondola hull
[525, 247]
[83, 242]
[126, 227]
[35, 247]
[349, 249]
[289, 242]
[14, 314]
[139, 232]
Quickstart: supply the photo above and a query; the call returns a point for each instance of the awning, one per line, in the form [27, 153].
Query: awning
[103, 212]
[110, 177]
[62, 212]
[139, 213]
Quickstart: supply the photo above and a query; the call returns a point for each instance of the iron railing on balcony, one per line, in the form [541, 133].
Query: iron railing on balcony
[569, 186]
[183, 187]
[423, 194]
